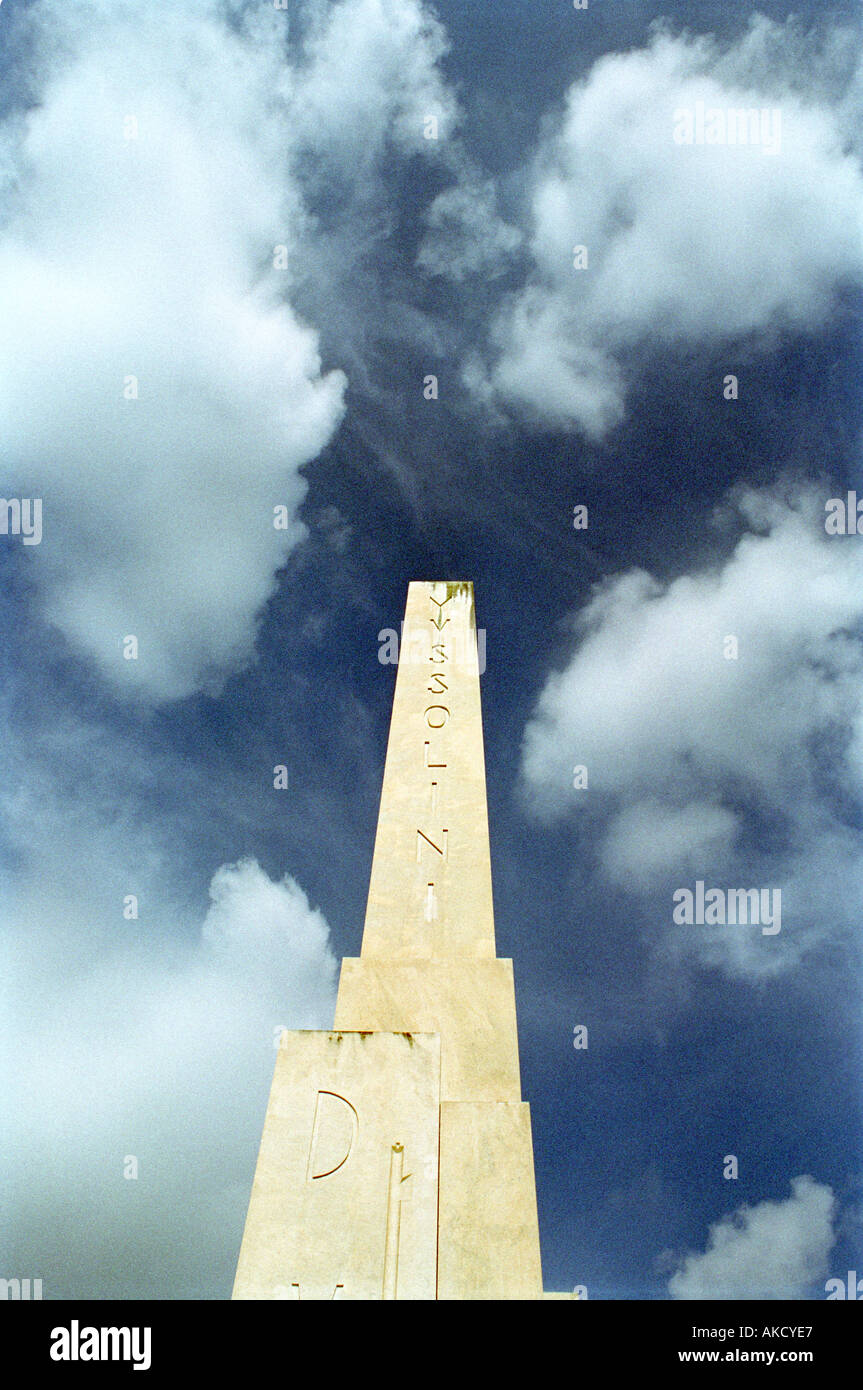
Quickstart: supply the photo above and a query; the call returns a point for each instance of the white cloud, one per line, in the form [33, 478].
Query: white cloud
[370, 75]
[161, 1055]
[252, 922]
[772, 1250]
[685, 242]
[150, 1036]
[142, 257]
[702, 765]
[151, 256]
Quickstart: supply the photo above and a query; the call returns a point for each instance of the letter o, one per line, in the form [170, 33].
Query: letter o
[430, 722]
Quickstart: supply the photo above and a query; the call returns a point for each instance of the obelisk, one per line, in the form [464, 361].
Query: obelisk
[396, 1160]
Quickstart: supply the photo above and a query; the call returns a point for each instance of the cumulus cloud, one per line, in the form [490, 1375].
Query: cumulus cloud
[686, 242]
[147, 189]
[704, 762]
[158, 390]
[149, 1035]
[370, 76]
[252, 922]
[158, 1055]
[772, 1250]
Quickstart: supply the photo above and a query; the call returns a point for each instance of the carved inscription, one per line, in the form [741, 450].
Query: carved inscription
[334, 1131]
[440, 849]
[296, 1292]
[426, 757]
[436, 716]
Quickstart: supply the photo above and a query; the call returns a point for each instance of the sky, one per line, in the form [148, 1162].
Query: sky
[237, 243]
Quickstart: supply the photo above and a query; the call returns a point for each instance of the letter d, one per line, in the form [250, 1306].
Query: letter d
[334, 1130]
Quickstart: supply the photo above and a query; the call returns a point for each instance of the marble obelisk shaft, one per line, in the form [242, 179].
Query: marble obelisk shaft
[396, 1160]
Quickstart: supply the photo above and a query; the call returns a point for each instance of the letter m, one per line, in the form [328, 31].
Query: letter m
[746, 900]
[744, 126]
[115, 1343]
